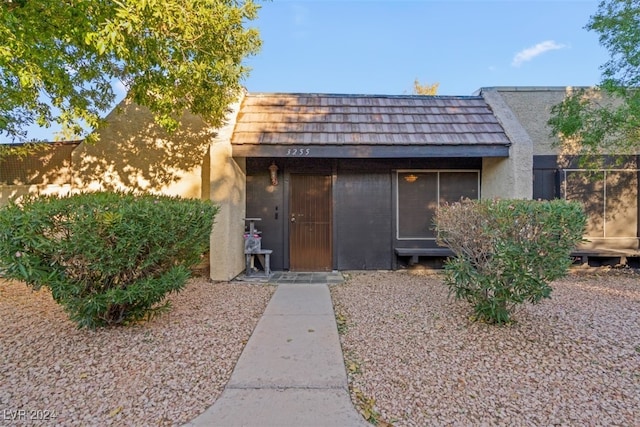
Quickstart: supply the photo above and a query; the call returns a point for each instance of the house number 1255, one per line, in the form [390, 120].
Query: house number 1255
[298, 151]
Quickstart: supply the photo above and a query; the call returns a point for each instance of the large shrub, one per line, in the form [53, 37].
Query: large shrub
[108, 258]
[507, 251]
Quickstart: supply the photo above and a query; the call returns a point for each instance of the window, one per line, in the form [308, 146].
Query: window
[419, 193]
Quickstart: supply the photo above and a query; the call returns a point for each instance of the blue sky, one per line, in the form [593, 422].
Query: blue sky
[382, 46]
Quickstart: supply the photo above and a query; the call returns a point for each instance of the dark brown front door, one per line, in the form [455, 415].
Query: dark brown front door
[310, 223]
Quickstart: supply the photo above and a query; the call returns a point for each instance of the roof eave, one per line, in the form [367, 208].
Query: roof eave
[370, 151]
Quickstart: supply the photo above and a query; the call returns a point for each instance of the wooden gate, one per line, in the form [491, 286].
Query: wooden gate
[310, 246]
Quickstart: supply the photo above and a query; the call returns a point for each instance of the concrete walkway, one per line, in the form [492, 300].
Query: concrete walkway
[291, 372]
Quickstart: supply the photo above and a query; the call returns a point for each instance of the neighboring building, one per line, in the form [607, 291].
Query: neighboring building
[610, 196]
[350, 182]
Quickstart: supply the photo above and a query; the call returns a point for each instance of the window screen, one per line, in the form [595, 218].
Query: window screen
[417, 202]
[609, 198]
[458, 185]
[588, 188]
[420, 193]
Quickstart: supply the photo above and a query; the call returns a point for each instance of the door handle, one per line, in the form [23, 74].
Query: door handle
[293, 219]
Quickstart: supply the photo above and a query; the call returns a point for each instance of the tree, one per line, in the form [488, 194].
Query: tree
[424, 89]
[59, 59]
[607, 117]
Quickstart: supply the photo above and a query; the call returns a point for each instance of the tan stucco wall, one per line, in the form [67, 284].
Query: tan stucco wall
[532, 108]
[12, 192]
[227, 187]
[511, 177]
[134, 153]
[194, 162]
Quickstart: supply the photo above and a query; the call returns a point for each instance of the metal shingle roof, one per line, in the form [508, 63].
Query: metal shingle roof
[332, 119]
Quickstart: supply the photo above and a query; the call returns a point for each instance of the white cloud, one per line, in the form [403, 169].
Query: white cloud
[531, 52]
[300, 14]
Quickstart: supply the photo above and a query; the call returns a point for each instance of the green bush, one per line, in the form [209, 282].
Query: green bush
[108, 258]
[507, 251]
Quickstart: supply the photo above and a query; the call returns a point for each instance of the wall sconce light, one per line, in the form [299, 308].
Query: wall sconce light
[273, 173]
[411, 178]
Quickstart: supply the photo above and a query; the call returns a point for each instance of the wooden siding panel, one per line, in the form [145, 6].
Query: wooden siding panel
[363, 219]
[267, 202]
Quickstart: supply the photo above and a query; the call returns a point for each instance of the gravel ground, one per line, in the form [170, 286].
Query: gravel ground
[163, 372]
[572, 360]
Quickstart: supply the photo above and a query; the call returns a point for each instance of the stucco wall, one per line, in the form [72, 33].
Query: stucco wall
[511, 177]
[532, 108]
[227, 187]
[11, 192]
[134, 153]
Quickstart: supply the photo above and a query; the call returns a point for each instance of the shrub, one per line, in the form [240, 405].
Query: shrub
[507, 251]
[108, 258]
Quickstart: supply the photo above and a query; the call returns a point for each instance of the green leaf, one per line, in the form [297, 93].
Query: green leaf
[58, 62]
[108, 258]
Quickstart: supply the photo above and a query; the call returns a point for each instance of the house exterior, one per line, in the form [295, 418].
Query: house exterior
[350, 182]
[361, 176]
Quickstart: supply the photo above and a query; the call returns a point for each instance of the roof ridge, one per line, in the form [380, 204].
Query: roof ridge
[354, 95]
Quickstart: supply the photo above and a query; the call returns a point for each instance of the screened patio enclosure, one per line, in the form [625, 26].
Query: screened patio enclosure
[610, 199]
